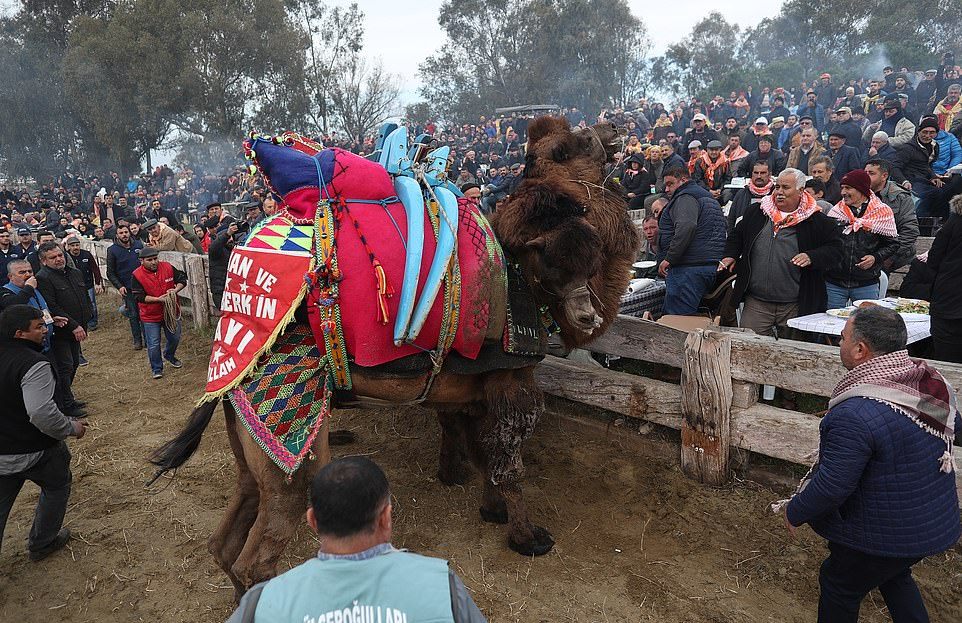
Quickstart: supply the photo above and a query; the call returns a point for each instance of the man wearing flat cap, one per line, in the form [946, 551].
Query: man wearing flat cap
[163, 238]
[712, 170]
[844, 158]
[894, 123]
[847, 127]
[155, 286]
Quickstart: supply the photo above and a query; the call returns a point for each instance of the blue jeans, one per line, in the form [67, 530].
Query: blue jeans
[839, 296]
[92, 293]
[133, 315]
[686, 286]
[847, 576]
[152, 333]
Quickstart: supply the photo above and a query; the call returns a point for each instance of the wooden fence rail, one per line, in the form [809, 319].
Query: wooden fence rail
[195, 298]
[716, 406]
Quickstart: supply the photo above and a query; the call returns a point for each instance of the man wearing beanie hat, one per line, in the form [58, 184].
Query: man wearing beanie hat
[894, 123]
[869, 237]
[915, 162]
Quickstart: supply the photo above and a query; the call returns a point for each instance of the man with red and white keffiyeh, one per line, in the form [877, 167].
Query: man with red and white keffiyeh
[779, 252]
[882, 491]
[869, 237]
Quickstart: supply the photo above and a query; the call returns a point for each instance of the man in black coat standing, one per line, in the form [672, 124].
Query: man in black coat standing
[64, 291]
[780, 252]
[844, 158]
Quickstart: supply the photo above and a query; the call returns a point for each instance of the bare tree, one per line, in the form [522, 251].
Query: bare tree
[364, 94]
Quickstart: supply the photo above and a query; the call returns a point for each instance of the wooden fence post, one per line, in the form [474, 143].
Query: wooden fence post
[197, 283]
[706, 402]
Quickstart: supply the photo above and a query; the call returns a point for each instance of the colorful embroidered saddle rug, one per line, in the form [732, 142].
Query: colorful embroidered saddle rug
[370, 232]
[285, 400]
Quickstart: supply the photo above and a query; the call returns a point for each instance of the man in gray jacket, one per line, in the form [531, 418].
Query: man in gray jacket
[903, 207]
[33, 430]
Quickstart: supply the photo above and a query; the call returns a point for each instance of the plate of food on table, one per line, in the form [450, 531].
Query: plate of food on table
[911, 310]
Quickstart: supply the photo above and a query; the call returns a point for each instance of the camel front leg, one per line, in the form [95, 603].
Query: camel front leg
[280, 508]
[452, 466]
[514, 405]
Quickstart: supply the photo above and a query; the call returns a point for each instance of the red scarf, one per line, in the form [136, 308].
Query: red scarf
[912, 388]
[762, 190]
[806, 207]
[878, 217]
[737, 154]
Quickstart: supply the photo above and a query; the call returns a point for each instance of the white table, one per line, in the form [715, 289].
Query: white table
[830, 325]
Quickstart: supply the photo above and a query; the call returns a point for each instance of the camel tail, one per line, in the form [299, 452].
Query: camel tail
[178, 450]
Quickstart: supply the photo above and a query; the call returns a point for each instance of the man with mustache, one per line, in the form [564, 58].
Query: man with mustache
[780, 251]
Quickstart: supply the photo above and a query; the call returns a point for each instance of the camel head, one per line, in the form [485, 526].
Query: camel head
[560, 263]
[546, 231]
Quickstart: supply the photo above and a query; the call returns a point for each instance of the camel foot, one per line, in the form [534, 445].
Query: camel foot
[498, 514]
[457, 474]
[540, 543]
[341, 437]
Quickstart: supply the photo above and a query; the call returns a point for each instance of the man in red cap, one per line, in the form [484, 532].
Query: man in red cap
[869, 237]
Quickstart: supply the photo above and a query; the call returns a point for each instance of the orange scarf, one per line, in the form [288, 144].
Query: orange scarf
[806, 207]
[878, 217]
[712, 167]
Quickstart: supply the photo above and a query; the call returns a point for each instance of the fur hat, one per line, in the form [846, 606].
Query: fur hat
[859, 180]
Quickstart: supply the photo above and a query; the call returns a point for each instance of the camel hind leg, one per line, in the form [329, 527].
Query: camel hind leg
[227, 541]
[280, 508]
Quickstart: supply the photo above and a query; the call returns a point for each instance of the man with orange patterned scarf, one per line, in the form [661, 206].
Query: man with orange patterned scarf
[780, 251]
[711, 170]
[869, 237]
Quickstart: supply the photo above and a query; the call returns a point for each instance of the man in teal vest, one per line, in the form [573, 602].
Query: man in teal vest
[357, 575]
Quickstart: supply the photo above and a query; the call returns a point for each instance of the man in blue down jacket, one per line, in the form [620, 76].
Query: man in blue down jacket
[883, 490]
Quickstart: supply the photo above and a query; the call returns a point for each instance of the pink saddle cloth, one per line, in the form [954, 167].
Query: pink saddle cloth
[372, 228]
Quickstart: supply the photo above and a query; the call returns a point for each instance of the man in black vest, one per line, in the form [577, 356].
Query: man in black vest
[32, 430]
[691, 232]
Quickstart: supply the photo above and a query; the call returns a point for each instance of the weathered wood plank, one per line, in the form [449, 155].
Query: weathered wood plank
[786, 435]
[642, 339]
[627, 394]
[706, 402]
[744, 394]
[800, 366]
[197, 285]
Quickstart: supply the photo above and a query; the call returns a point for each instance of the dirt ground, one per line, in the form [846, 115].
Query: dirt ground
[636, 541]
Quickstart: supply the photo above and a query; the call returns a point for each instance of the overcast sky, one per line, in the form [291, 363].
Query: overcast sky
[401, 52]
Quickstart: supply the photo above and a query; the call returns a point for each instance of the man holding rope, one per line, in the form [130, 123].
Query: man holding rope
[155, 286]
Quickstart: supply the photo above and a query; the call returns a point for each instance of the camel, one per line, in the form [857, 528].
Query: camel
[570, 233]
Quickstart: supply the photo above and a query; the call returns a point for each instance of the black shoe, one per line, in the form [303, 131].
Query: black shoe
[138, 346]
[58, 543]
[175, 363]
[92, 327]
[76, 413]
[83, 361]
[82, 404]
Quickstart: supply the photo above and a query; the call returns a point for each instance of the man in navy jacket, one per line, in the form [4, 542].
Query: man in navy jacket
[883, 490]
